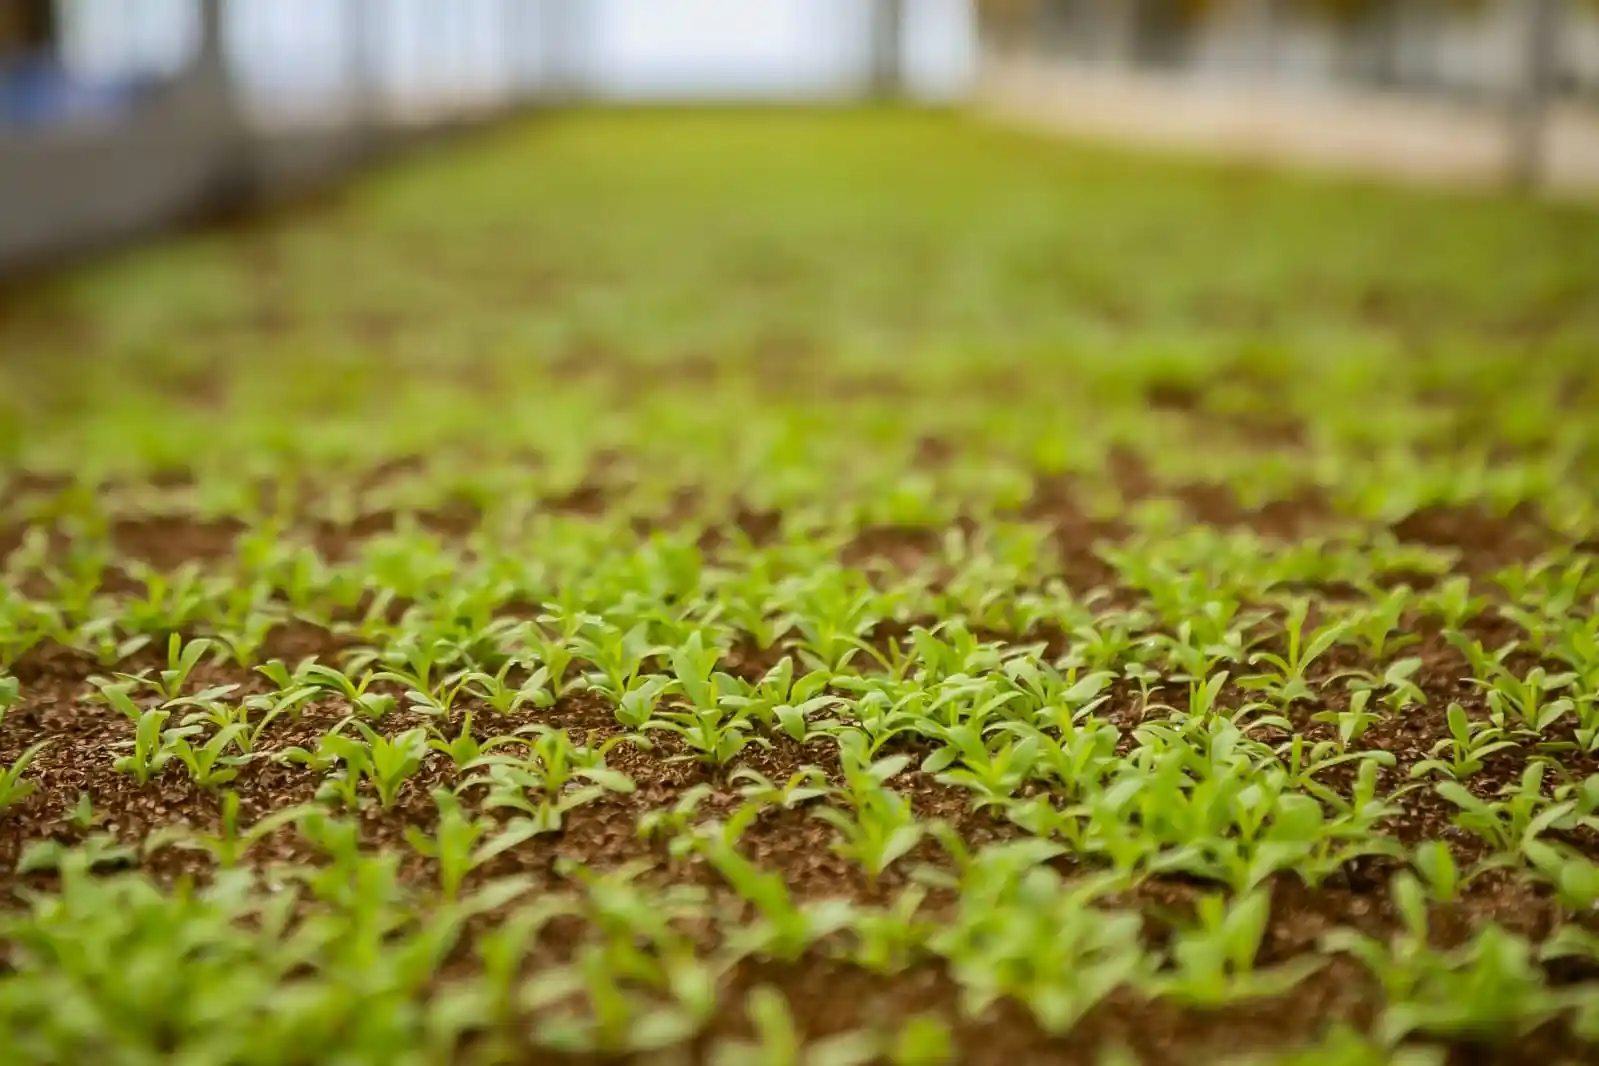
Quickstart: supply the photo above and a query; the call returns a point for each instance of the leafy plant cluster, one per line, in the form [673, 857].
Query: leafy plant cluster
[1044, 645]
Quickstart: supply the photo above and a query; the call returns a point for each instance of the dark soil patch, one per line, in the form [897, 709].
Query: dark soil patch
[1284, 520]
[1486, 541]
[1174, 396]
[905, 548]
[168, 541]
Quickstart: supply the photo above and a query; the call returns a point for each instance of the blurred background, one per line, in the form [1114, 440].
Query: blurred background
[120, 116]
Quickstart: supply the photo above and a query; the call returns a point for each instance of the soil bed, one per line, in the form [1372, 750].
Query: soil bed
[862, 594]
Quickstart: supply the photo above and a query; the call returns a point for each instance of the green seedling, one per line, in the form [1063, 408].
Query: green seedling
[1466, 750]
[778, 1042]
[1291, 682]
[553, 776]
[97, 852]
[231, 841]
[101, 640]
[783, 928]
[460, 844]
[13, 788]
[880, 830]
[675, 824]
[83, 816]
[923, 1040]
[182, 658]
[1213, 961]
[208, 764]
[802, 786]
[505, 699]
[1030, 936]
[371, 705]
[391, 761]
[151, 748]
[890, 940]
[1488, 989]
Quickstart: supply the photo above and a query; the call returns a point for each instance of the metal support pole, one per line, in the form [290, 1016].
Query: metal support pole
[210, 106]
[561, 31]
[1537, 39]
[519, 29]
[210, 90]
[888, 24]
[1261, 22]
[363, 83]
[210, 58]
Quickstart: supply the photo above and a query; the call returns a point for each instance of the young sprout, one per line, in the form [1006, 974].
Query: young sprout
[1291, 682]
[386, 762]
[1213, 961]
[463, 748]
[713, 735]
[1352, 721]
[784, 928]
[636, 707]
[151, 748]
[461, 844]
[890, 940]
[553, 776]
[506, 699]
[83, 816]
[208, 764]
[801, 787]
[922, 1040]
[370, 705]
[1467, 748]
[97, 851]
[1018, 930]
[880, 830]
[618, 656]
[182, 658]
[618, 1021]
[1489, 989]
[100, 638]
[1574, 877]
[675, 823]
[231, 841]
[391, 761]
[778, 1042]
[13, 789]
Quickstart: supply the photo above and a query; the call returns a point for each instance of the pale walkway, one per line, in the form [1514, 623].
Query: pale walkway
[1381, 135]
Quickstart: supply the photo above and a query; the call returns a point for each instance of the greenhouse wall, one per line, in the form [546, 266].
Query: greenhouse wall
[1474, 90]
[121, 116]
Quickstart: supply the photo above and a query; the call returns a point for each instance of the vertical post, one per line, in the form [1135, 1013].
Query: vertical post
[519, 24]
[362, 85]
[29, 27]
[210, 59]
[1119, 32]
[561, 28]
[1044, 18]
[1261, 21]
[210, 87]
[887, 34]
[507, 29]
[214, 115]
[1537, 43]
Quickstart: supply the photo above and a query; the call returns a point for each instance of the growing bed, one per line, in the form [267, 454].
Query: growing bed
[807, 588]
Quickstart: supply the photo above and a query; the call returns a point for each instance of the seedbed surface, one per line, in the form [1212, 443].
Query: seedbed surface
[807, 589]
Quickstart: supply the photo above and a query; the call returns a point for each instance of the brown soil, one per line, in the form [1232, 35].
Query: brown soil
[1486, 541]
[827, 994]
